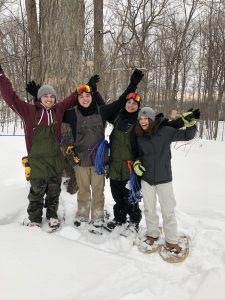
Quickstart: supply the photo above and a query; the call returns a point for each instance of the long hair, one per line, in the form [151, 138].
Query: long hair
[152, 128]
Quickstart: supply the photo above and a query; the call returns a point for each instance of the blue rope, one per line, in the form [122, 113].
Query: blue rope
[101, 158]
[135, 193]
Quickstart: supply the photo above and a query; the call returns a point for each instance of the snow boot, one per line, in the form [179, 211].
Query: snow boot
[111, 225]
[54, 223]
[27, 222]
[174, 248]
[148, 245]
[96, 226]
[79, 221]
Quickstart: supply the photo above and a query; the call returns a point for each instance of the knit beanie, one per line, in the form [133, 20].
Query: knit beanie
[147, 112]
[45, 90]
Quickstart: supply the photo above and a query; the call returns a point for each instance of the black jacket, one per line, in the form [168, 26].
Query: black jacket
[155, 152]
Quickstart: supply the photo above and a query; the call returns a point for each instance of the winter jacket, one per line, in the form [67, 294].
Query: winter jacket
[155, 152]
[106, 112]
[123, 142]
[33, 114]
[121, 145]
[90, 131]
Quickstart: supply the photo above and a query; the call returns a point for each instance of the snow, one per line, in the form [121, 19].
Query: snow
[75, 264]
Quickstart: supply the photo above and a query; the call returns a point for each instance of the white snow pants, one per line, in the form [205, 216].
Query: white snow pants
[167, 203]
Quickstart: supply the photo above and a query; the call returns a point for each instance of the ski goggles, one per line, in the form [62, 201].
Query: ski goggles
[134, 96]
[83, 88]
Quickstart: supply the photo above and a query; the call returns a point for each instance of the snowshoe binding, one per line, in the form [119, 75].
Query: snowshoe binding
[53, 224]
[148, 244]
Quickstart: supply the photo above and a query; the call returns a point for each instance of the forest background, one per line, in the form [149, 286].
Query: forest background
[179, 45]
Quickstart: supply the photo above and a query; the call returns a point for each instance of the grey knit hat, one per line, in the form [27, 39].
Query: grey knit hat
[147, 112]
[45, 90]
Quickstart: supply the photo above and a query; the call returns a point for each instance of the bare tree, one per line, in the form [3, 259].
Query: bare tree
[98, 36]
[34, 36]
[62, 36]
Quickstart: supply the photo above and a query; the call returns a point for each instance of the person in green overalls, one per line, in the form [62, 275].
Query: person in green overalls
[42, 127]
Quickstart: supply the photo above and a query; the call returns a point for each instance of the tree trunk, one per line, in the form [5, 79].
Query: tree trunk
[62, 37]
[98, 36]
[34, 39]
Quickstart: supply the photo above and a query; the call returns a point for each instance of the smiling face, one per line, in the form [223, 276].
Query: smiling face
[48, 100]
[131, 106]
[85, 99]
[144, 122]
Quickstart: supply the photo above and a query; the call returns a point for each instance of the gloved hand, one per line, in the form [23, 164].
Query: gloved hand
[32, 88]
[93, 82]
[195, 114]
[1, 70]
[71, 151]
[138, 168]
[188, 119]
[160, 115]
[136, 77]
[25, 164]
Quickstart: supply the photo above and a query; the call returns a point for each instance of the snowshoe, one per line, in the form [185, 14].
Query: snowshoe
[148, 245]
[53, 225]
[111, 225]
[80, 221]
[130, 231]
[27, 222]
[175, 253]
[96, 227]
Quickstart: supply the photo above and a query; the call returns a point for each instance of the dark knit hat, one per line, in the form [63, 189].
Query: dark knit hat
[45, 90]
[147, 112]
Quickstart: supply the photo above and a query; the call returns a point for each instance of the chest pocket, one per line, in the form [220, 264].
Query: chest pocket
[90, 131]
[45, 156]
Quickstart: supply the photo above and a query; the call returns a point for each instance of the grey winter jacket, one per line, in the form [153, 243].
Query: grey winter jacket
[155, 154]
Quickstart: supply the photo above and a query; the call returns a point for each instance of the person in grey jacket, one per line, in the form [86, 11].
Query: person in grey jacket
[154, 166]
[87, 122]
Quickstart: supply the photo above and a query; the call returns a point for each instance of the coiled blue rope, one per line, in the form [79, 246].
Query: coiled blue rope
[135, 193]
[101, 159]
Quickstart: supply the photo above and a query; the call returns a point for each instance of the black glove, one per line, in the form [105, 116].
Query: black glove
[194, 115]
[1, 70]
[136, 76]
[32, 88]
[93, 82]
[160, 115]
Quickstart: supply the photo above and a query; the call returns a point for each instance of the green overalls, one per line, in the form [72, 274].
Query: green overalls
[47, 163]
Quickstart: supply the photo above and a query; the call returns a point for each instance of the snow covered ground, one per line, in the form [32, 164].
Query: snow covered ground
[70, 264]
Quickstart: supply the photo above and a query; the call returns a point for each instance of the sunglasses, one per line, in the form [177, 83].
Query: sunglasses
[134, 96]
[83, 88]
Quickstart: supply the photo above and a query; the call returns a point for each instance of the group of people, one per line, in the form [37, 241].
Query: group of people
[138, 136]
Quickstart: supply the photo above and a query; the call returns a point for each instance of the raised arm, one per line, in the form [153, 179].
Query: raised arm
[110, 110]
[179, 122]
[8, 94]
[186, 134]
[93, 84]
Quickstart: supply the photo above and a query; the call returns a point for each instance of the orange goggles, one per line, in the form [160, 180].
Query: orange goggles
[134, 96]
[83, 88]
